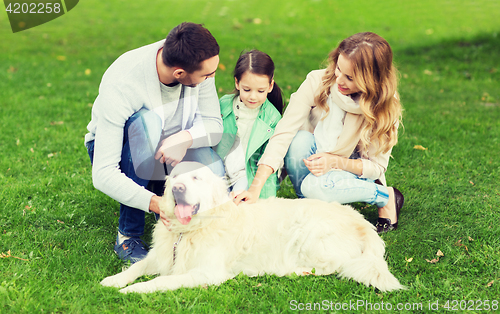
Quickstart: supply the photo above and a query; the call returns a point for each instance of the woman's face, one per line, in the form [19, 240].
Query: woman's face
[345, 78]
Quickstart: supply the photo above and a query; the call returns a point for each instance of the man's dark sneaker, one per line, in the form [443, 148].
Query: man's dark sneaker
[132, 249]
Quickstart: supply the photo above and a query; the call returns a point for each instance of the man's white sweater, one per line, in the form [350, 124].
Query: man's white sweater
[130, 84]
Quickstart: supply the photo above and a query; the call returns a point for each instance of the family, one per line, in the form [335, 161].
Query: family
[158, 106]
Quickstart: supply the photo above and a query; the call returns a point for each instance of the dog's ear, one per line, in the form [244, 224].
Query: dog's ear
[220, 191]
[168, 202]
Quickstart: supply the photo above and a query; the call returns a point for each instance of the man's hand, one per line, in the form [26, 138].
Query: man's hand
[165, 219]
[173, 149]
[154, 206]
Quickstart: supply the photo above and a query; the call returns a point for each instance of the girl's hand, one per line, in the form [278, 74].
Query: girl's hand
[319, 164]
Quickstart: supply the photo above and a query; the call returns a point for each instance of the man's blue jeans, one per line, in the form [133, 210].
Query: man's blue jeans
[340, 186]
[142, 133]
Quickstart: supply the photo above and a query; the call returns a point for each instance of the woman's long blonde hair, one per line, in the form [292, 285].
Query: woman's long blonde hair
[376, 77]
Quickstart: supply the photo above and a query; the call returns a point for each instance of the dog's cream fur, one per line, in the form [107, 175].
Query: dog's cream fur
[273, 236]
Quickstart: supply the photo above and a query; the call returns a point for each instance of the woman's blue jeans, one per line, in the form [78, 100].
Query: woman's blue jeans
[142, 133]
[340, 186]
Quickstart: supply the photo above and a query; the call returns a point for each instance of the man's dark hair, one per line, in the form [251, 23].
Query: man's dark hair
[187, 45]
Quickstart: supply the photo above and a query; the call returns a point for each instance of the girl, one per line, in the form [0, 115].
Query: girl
[249, 117]
[361, 81]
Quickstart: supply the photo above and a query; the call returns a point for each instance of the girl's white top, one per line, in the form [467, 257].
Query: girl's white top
[235, 160]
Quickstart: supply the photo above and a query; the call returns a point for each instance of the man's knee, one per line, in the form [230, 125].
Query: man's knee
[208, 157]
[145, 122]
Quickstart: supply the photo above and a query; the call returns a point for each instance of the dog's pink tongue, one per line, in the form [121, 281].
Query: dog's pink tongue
[183, 213]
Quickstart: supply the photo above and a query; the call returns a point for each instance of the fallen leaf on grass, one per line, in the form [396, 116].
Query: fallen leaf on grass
[59, 221]
[419, 147]
[88, 72]
[471, 239]
[222, 67]
[56, 122]
[435, 260]
[490, 283]
[408, 260]
[3, 255]
[258, 285]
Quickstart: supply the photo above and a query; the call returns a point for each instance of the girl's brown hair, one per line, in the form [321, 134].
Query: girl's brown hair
[260, 63]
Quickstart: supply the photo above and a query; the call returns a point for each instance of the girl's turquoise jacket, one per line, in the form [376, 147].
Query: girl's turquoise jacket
[262, 130]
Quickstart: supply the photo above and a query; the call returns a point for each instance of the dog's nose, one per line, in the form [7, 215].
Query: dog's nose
[179, 188]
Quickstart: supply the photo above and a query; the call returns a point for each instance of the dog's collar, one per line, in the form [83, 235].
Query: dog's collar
[175, 246]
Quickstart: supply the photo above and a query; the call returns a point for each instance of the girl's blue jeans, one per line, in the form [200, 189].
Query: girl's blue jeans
[340, 186]
[142, 133]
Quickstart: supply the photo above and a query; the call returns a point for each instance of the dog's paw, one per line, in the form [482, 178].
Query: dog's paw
[141, 287]
[114, 281]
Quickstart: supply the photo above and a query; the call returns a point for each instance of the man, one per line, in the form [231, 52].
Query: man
[157, 105]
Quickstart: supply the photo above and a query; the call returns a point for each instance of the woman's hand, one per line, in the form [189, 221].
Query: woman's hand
[247, 196]
[321, 163]
[252, 194]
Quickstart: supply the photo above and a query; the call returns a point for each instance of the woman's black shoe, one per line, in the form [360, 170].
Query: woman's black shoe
[384, 224]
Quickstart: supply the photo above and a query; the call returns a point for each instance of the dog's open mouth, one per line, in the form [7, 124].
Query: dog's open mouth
[184, 212]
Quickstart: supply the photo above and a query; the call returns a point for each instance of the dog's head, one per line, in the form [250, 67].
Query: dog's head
[192, 188]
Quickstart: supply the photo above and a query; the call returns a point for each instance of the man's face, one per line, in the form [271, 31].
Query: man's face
[208, 68]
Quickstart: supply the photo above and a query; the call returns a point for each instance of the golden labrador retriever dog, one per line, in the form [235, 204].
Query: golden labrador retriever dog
[210, 239]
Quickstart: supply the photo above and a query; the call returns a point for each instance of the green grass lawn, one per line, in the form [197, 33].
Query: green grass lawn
[57, 231]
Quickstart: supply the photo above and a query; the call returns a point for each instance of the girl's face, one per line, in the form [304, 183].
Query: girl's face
[253, 89]
[345, 78]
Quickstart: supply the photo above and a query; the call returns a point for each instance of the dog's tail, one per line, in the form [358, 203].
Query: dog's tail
[370, 268]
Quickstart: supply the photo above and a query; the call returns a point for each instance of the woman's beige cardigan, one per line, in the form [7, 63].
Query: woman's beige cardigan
[302, 114]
